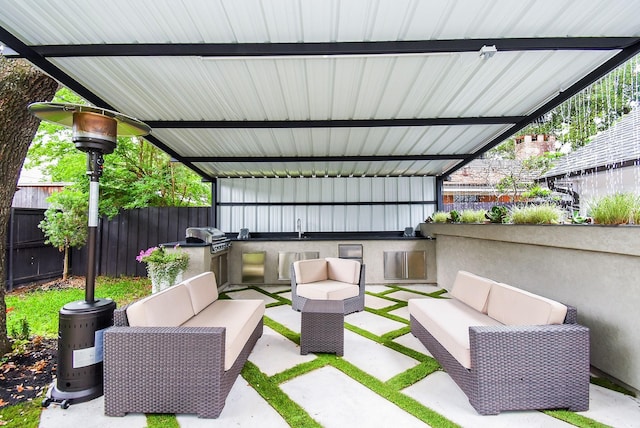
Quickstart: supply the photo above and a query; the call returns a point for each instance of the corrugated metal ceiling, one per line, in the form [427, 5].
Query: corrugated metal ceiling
[251, 88]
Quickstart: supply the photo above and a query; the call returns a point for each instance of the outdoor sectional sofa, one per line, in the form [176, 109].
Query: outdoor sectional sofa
[506, 348]
[179, 350]
[330, 278]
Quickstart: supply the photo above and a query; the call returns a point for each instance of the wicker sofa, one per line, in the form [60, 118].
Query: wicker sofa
[179, 350]
[506, 348]
[328, 279]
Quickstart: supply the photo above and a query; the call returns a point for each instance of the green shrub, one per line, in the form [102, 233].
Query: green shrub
[536, 214]
[472, 216]
[497, 214]
[440, 217]
[21, 331]
[619, 208]
[454, 216]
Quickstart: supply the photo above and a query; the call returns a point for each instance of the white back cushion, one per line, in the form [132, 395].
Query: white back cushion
[472, 290]
[310, 270]
[168, 308]
[513, 306]
[203, 290]
[343, 270]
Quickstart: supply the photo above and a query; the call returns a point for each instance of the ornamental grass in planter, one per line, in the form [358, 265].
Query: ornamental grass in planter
[440, 217]
[619, 208]
[472, 216]
[536, 214]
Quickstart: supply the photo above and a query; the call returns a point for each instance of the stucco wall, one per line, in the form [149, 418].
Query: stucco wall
[594, 268]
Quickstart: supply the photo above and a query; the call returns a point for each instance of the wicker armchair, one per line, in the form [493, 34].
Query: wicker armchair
[355, 276]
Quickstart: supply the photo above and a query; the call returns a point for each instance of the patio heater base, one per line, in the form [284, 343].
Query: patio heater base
[81, 325]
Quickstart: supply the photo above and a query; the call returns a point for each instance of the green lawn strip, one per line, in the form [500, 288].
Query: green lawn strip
[300, 369]
[575, 419]
[413, 375]
[389, 343]
[387, 392]
[435, 294]
[162, 420]
[292, 413]
[289, 334]
[386, 315]
[396, 333]
[23, 415]
[606, 383]
[392, 308]
[281, 300]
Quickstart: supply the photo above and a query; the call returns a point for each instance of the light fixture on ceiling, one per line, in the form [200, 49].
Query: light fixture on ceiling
[487, 52]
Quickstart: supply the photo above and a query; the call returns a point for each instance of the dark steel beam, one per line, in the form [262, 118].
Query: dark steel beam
[332, 48]
[360, 158]
[350, 123]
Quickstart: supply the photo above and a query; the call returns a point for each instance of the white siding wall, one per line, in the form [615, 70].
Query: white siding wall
[324, 204]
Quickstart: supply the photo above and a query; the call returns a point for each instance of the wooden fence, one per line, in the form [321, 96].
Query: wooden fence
[121, 238]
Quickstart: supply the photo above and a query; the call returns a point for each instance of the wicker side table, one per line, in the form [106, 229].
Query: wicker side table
[322, 327]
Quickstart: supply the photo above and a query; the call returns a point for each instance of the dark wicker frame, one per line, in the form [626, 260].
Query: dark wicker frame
[168, 369]
[322, 327]
[520, 367]
[352, 304]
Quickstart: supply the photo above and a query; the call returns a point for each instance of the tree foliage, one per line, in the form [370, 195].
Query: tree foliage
[135, 175]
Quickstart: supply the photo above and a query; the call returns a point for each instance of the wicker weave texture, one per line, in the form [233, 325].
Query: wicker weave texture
[322, 327]
[169, 369]
[351, 304]
[520, 367]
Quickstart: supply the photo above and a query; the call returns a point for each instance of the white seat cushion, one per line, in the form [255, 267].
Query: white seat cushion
[328, 290]
[239, 317]
[448, 321]
[513, 306]
[168, 308]
[472, 290]
[203, 290]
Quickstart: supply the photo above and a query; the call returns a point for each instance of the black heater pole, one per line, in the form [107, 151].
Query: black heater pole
[82, 323]
[95, 162]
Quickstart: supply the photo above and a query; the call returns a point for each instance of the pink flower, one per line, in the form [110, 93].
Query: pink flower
[145, 253]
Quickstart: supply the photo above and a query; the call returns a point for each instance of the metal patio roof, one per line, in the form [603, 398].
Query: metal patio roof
[250, 88]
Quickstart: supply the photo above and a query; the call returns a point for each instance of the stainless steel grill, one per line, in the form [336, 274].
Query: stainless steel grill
[208, 235]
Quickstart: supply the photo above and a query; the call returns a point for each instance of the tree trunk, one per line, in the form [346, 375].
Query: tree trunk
[20, 85]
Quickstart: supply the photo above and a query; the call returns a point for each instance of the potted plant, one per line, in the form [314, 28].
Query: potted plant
[163, 268]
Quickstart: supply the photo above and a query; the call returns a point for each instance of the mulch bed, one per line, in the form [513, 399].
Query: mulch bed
[28, 372]
[26, 375]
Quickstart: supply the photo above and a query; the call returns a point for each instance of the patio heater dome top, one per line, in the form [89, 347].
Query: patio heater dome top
[62, 114]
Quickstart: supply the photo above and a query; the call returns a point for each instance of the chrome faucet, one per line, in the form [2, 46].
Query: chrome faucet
[299, 227]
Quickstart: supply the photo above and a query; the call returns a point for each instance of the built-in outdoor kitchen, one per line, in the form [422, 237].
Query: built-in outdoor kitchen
[265, 258]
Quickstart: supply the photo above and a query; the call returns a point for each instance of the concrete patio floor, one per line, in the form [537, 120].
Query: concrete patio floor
[334, 399]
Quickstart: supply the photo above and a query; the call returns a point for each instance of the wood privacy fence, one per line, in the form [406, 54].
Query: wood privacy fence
[28, 259]
[121, 238]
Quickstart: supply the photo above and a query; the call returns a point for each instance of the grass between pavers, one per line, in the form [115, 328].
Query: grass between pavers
[126, 290]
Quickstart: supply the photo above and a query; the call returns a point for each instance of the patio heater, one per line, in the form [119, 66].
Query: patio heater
[82, 323]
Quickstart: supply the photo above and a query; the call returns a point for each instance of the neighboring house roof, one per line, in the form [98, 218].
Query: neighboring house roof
[617, 147]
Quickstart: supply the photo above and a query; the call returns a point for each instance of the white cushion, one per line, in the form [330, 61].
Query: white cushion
[343, 270]
[239, 317]
[328, 290]
[448, 321]
[168, 308]
[310, 270]
[472, 290]
[513, 306]
[203, 290]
